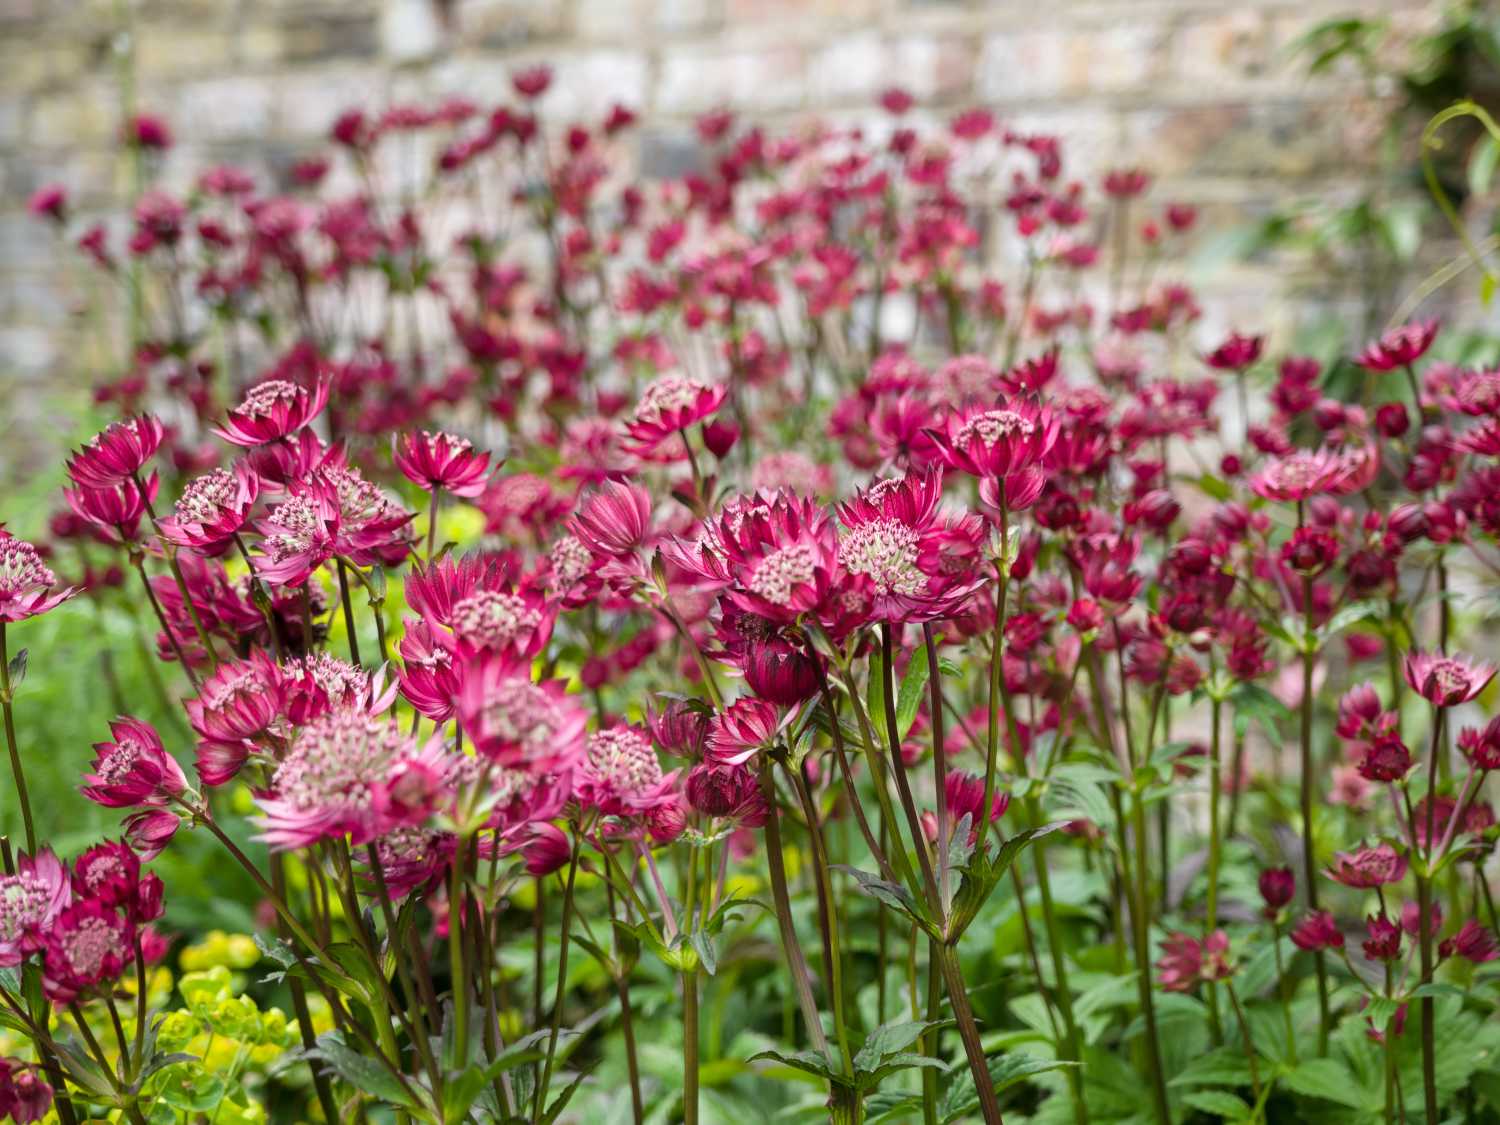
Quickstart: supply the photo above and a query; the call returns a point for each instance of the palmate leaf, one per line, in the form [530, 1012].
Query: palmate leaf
[363, 1073]
[890, 1039]
[1220, 1103]
[984, 870]
[960, 1101]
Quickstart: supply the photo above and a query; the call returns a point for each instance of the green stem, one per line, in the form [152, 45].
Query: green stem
[1211, 913]
[690, 1047]
[1308, 790]
[349, 611]
[791, 948]
[540, 1102]
[17, 771]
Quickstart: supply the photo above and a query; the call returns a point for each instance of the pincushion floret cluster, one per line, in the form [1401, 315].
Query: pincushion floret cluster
[764, 532]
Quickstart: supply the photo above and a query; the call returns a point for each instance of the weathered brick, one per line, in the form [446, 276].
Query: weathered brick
[332, 34]
[508, 23]
[693, 80]
[219, 109]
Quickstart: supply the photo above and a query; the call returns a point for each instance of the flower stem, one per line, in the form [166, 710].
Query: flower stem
[968, 1031]
[690, 1047]
[348, 612]
[562, 984]
[791, 949]
[1239, 1015]
[1211, 912]
[1308, 789]
[17, 771]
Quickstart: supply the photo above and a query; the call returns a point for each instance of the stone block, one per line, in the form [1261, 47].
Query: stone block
[694, 79]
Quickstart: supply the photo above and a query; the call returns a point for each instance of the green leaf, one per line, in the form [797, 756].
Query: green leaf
[1220, 1103]
[1349, 615]
[1482, 164]
[364, 1074]
[909, 698]
[893, 895]
[809, 1062]
[1214, 486]
[960, 1102]
[889, 1039]
[1217, 1068]
[1328, 1079]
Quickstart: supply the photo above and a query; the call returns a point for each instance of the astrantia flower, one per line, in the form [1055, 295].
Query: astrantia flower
[320, 683]
[1472, 942]
[679, 728]
[1317, 931]
[116, 511]
[116, 454]
[1385, 758]
[1482, 746]
[1000, 441]
[1236, 353]
[25, 581]
[213, 509]
[726, 791]
[1298, 476]
[1369, 867]
[519, 724]
[24, 1095]
[237, 708]
[516, 622]
[335, 513]
[442, 461]
[325, 784]
[670, 405]
[964, 793]
[134, 770]
[613, 520]
[1446, 681]
[620, 774]
[919, 565]
[88, 944]
[110, 873]
[273, 410]
[1276, 885]
[1383, 938]
[1310, 551]
[745, 727]
[1186, 961]
[29, 902]
[1399, 347]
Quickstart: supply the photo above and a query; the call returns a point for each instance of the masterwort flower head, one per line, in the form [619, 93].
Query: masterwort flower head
[1446, 681]
[26, 581]
[273, 410]
[30, 900]
[435, 461]
[133, 770]
[669, 406]
[117, 454]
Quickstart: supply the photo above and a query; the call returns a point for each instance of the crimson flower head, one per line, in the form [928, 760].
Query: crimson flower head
[134, 770]
[1107, 565]
[273, 410]
[1186, 961]
[337, 512]
[679, 728]
[670, 405]
[1002, 441]
[1236, 353]
[1123, 183]
[1310, 551]
[919, 565]
[24, 1095]
[327, 783]
[1383, 938]
[729, 792]
[1317, 931]
[1368, 868]
[781, 671]
[741, 730]
[117, 454]
[89, 944]
[239, 707]
[614, 520]
[433, 461]
[1386, 758]
[777, 556]
[50, 201]
[214, 508]
[620, 774]
[965, 796]
[115, 511]
[1399, 347]
[518, 724]
[1299, 475]
[1472, 942]
[1277, 885]
[532, 82]
[30, 900]
[26, 581]
[109, 872]
[1482, 746]
[1446, 681]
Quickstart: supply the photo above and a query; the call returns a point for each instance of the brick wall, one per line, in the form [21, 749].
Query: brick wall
[1202, 91]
